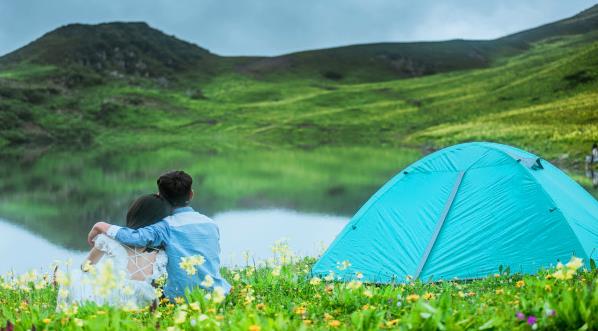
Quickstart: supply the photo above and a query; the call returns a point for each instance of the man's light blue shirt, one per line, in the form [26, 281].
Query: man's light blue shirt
[184, 233]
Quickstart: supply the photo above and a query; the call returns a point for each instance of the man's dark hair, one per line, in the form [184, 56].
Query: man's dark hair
[175, 187]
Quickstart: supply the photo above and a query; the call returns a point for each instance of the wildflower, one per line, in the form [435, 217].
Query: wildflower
[520, 316]
[254, 327]
[549, 312]
[365, 307]
[189, 263]
[218, 294]
[180, 317]
[343, 265]
[334, 323]
[499, 291]
[159, 292]
[471, 294]
[327, 317]
[260, 306]
[329, 288]
[194, 306]
[353, 285]
[276, 271]
[307, 322]
[208, 281]
[531, 320]
[236, 277]
[46, 320]
[368, 293]
[179, 300]
[520, 284]
[217, 317]
[392, 323]
[87, 266]
[412, 298]
[300, 310]
[329, 277]
[547, 288]
[315, 281]
[575, 263]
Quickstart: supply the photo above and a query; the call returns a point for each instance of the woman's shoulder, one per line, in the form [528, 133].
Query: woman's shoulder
[108, 245]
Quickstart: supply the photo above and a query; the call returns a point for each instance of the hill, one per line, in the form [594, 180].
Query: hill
[75, 85]
[114, 48]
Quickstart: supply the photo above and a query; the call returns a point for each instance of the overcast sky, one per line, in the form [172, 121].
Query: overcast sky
[271, 27]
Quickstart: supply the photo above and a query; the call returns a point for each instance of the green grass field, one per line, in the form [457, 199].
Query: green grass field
[283, 296]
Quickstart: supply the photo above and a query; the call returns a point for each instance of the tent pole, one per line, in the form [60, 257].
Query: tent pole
[439, 224]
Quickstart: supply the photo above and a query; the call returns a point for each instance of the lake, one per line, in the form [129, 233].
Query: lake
[49, 198]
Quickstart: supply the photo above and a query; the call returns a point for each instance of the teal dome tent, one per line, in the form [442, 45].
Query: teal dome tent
[462, 212]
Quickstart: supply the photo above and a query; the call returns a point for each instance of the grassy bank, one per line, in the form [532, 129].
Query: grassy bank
[286, 297]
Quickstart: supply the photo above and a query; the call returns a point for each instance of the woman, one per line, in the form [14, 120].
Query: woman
[118, 275]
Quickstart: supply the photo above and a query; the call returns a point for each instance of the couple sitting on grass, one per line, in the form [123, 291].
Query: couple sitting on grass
[164, 237]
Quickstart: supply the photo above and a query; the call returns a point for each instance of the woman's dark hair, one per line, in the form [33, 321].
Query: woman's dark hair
[595, 146]
[147, 210]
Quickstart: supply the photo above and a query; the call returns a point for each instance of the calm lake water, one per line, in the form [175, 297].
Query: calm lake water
[50, 199]
[241, 231]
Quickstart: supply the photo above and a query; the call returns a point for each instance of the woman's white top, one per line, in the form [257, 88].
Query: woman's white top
[123, 277]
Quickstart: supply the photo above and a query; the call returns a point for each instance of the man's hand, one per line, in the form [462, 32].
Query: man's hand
[98, 228]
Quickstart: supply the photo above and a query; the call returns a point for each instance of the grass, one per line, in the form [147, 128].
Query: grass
[283, 296]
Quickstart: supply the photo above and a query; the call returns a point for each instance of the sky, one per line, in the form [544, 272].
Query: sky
[273, 27]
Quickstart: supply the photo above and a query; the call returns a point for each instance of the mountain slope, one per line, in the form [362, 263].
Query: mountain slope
[118, 48]
[384, 61]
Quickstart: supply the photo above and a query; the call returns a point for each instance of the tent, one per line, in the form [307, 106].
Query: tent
[462, 212]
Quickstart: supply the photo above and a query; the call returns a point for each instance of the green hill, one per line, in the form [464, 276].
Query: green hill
[89, 84]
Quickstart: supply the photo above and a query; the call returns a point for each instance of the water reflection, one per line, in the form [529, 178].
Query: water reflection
[254, 231]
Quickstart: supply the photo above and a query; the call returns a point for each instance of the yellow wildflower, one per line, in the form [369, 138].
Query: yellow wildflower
[179, 300]
[188, 263]
[547, 288]
[46, 320]
[520, 284]
[575, 263]
[218, 294]
[329, 277]
[354, 284]
[327, 317]
[368, 293]
[254, 327]
[392, 323]
[428, 296]
[260, 306]
[194, 306]
[499, 291]
[180, 317]
[208, 281]
[300, 310]
[334, 323]
[412, 297]
[315, 281]
[307, 322]
[343, 265]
